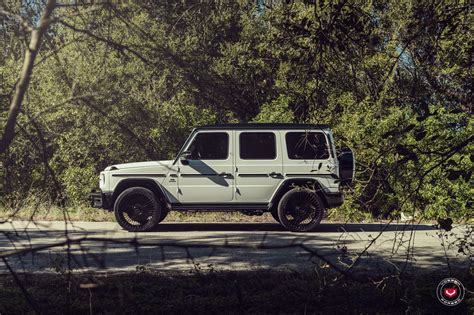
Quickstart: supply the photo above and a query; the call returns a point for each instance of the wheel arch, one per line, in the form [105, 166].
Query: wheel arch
[150, 184]
[289, 183]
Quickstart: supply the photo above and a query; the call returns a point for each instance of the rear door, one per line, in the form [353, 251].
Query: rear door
[258, 165]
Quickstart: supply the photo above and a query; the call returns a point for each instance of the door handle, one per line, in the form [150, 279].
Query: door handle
[274, 175]
[224, 174]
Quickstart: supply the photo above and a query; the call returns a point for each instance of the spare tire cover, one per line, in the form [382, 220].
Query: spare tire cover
[346, 166]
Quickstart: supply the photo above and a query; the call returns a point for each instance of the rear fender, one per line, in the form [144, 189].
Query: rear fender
[288, 184]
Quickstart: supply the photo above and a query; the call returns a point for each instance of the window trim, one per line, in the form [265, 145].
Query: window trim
[261, 159]
[329, 151]
[207, 132]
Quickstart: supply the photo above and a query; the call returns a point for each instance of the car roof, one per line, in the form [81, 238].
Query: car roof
[263, 126]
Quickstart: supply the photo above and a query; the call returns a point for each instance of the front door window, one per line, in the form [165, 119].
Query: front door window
[210, 146]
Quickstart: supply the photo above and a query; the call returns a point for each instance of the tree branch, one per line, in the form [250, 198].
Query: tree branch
[25, 75]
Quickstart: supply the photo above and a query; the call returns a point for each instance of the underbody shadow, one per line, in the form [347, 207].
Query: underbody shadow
[269, 227]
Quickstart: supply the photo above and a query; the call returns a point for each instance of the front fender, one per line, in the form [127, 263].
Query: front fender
[149, 183]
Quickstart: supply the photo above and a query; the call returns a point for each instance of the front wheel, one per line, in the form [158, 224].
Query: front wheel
[274, 213]
[300, 210]
[137, 210]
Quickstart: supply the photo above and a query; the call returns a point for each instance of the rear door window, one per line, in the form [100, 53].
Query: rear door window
[257, 146]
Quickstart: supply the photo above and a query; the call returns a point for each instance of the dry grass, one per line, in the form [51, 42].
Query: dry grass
[45, 212]
[49, 212]
[34, 208]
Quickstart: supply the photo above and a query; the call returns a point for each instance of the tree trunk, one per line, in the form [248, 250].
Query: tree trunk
[25, 75]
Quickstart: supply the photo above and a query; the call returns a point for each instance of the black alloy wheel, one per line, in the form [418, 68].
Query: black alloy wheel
[300, 210]
[137, 210]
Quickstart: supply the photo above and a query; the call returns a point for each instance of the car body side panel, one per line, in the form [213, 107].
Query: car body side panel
[324, 170]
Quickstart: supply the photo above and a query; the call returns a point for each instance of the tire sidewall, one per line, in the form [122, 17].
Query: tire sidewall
[155, 215]
[274, 213]
[164, 214]
[282, 210]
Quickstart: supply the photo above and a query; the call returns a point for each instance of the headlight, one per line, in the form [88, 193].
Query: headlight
[101, 180]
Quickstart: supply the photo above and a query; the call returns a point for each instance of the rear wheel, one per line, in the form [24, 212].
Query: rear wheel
[300, 210]
[137, 210]
[164, 214]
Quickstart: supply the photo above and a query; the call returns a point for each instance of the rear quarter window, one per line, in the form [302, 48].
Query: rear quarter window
[307, 146]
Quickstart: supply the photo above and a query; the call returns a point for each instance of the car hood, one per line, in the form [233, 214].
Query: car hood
[139, 165]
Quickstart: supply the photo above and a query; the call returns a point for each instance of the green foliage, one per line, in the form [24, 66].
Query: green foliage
[393, 78]
[277, 111]
[77, 181]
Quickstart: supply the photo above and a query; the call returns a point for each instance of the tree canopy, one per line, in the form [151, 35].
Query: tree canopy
[127, 82]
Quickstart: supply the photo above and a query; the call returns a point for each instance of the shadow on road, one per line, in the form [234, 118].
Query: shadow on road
[186, 249]
[274, 227]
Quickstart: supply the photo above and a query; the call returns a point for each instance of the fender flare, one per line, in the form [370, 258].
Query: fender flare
[149, 183]
[284, 187]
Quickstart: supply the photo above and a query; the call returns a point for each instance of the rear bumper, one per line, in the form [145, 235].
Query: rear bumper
[334, 199]
[99, 199]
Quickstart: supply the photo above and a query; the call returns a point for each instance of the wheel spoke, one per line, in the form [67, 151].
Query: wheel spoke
[137, 210]
[302, 209]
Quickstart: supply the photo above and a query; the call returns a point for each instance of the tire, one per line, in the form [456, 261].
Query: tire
[137, 210]
[164, 214]
[274, 213]
[300, 210]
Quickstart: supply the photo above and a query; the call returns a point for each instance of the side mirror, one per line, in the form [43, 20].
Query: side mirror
[184, 157]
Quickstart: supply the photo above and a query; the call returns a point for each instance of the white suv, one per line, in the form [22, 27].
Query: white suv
[290, 170]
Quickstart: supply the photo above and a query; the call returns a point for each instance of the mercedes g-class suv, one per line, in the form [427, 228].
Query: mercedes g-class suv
[292, 171]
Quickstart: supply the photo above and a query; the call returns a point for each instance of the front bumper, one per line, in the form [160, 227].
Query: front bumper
[99, 199]
[334, 199]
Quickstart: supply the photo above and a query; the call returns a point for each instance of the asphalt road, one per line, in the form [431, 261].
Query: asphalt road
[104, 246]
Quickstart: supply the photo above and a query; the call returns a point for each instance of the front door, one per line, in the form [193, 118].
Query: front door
[207, 175]
[258, 165]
